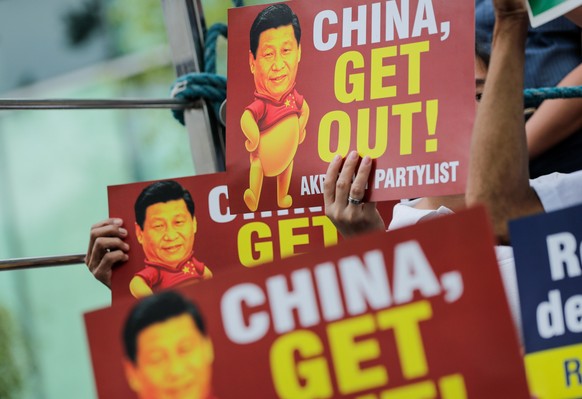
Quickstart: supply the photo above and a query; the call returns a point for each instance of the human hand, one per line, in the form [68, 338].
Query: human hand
[106, 248]
[349, 218]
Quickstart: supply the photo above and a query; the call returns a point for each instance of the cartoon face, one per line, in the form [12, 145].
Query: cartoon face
[173, 361]
[275, 66]
[168, 232]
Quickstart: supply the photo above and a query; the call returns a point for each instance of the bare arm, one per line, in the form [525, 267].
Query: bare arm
[575, 16]
[555, 120]
[498, 167]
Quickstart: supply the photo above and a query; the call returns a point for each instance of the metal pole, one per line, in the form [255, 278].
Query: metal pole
[28, 263]
[185, 24]
[71, 104]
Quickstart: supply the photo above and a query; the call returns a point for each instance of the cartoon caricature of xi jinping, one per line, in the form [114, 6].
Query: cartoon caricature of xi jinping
[274, 123]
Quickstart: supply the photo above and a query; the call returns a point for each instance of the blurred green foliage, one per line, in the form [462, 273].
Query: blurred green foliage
[136, 25]
[139, 24]
[11, 381]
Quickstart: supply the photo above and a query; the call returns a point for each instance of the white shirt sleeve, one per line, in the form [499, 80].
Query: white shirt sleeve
[558, 190]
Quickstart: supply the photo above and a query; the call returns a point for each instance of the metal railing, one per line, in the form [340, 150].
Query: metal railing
[72, 104]
[29, 263]
[185, 24]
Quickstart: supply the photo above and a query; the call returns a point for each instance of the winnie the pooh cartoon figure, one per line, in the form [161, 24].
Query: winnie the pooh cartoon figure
[274, 123]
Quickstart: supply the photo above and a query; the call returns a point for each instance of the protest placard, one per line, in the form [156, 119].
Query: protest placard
[542, 11]
[419, 312]
[171, 247]
[547, 249]
[393, 80]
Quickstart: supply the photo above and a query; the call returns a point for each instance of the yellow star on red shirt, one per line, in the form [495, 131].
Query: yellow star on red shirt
[186, 270]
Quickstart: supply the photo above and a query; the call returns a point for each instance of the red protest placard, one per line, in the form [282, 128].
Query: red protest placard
[419, 312]
[184, 248]
[392, 80]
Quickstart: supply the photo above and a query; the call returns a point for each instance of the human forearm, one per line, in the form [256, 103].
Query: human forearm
[575, 16]
[498, 168]
[555, 120]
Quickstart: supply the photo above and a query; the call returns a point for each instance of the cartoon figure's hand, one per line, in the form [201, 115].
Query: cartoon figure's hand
[139, 288]
[251, 131]
[303, 121]
[251, 145]
[207, 273]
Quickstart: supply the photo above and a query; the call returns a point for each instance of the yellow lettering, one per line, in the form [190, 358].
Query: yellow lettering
[356, 80]
[349, 354]
[379, 71]
[329, 230]
[404, 321]
[289, 240]
[324, 139]
[420, 390]
[247, 250]
[406, 111]
[363, 132]
[453, 387]
[305, 378]
[413, 51]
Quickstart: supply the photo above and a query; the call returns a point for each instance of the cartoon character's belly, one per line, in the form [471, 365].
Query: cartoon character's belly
[278, 145]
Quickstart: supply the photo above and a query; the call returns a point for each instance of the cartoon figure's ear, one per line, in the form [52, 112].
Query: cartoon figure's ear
[131, 375]
[251, 62]
[194, 225]
[139, 233]
[299, 55]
